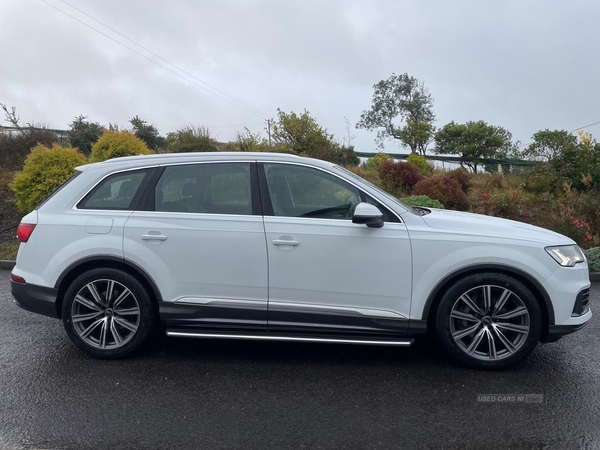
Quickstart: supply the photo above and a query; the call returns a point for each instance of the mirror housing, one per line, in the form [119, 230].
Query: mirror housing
[368, 214]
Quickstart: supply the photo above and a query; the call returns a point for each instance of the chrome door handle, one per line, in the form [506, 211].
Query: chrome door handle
[154, 237]
[285, 242]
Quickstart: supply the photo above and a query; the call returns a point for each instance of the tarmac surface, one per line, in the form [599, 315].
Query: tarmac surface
[210, 394]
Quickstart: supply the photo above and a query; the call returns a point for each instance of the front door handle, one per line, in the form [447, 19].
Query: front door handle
[154, 237]
[285, 242]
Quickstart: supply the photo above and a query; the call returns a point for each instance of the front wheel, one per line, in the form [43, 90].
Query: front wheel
[107, 313]
[489, 320]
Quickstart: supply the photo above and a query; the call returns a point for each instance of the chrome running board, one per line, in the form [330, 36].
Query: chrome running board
[407, 342]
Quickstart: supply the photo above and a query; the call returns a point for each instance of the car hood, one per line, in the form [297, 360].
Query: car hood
[478, 224]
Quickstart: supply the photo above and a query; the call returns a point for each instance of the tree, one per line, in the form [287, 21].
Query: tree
[117, 143]
[147, 133]
[400, 98]
[472, 141]
[83, 134]
[548, 144]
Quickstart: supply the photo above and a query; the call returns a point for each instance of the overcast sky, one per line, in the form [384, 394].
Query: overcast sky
[524, 65]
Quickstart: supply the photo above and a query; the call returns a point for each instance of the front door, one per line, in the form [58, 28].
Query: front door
[327, 274]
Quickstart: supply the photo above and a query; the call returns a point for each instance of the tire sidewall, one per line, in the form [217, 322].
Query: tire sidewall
[472, 281]
[147, 312]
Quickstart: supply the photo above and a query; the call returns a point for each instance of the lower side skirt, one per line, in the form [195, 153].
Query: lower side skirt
[402, 342]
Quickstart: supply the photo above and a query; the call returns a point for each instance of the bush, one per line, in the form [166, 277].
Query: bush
[191, 138]
[116, 143]
[15, 146]
[462, 176]
[593, 257]
[399, 175]
[422, 200]
[375, 161]
[45, 170]
[443, 189]
[420, 163]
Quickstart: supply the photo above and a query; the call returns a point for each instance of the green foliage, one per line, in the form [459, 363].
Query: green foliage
[400, 98]
[422, 200]
[375, 161]
[417, 136]
[45, 170]
[593, 257]
[472, 141]
[191, 138]
[117, 143]
[548, 145]
[83, 134]
[302, 135]
[444, 189]
[420, 163]
[147, 133]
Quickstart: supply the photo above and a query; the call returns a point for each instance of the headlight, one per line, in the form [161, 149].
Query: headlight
[566, 255]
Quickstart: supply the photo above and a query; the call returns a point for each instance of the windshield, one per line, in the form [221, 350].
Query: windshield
[378, 189]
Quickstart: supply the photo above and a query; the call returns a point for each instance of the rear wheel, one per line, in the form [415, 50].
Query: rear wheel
[107, 313]
[489, 320]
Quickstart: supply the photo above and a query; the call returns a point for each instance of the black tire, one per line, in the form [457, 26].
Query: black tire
[103, 340]
[493, 325]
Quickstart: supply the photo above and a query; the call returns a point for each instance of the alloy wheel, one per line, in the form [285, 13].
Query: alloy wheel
[489, 322]
[105, 314]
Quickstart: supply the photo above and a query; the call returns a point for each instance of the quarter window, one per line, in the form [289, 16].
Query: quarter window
[115, 192]
[298, 191]
[211, 188]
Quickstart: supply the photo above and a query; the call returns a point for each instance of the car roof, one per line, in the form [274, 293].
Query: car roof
[141, 161]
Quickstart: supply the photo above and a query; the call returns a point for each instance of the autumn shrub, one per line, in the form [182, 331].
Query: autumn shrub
[420, 163]
[444, 189]
[422, 200]
[45, 170]
[117, 143]
[399, 176]
[461, 176]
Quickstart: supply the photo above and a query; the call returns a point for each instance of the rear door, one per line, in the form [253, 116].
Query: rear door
[200, 236]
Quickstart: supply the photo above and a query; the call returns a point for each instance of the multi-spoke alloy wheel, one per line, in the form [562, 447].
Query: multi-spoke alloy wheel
[107, 313]
[489, 320]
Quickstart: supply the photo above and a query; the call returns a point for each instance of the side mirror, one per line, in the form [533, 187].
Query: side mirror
[368, 214]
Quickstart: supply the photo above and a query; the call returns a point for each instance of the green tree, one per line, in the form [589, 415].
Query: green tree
[83, 134]
[45, 170]
[549, 145]
[191, 138]
[147, 133]
[117, 143]
[472, 141]
[398, 101]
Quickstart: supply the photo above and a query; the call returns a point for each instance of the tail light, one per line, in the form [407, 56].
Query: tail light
[17, 278]
[24, 231]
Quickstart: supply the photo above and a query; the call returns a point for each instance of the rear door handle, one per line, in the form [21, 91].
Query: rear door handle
[285, 242]
[154, 237]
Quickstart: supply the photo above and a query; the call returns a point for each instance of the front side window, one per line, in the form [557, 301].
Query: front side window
[115, 192]
[298, 191]
[211, 188]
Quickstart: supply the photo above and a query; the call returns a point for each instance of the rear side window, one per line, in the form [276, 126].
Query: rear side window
[210, 188]
[115, 192]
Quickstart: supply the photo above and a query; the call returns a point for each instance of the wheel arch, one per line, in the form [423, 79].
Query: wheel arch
[92, 262]
[434, 298]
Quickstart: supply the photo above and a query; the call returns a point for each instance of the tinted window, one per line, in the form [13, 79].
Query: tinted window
[298, 191]
[115, 192]
[222, 188]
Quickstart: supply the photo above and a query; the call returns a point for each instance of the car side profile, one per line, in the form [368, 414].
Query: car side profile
[270, 246]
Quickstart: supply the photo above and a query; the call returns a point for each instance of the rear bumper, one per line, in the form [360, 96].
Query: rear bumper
[37, 299]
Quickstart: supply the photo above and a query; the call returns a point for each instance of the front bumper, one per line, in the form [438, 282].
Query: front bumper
[37, 299]
[555, 332]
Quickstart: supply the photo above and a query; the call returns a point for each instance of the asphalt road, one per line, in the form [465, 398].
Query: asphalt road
[180, 393]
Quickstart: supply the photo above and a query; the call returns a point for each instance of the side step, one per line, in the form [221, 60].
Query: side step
[406, 342]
